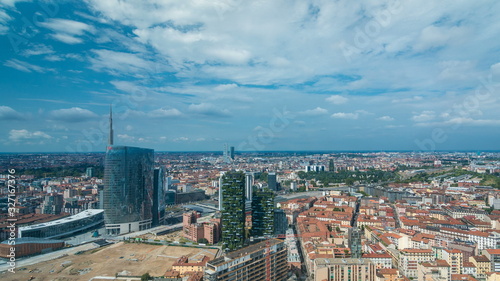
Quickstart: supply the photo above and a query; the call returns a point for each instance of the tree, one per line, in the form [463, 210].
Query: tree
[349, 181]
[145, 276]
[203, 241]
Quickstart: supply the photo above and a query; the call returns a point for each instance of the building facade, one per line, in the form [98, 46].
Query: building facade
[233, 210]
[344, 269]
[266, 260]
[263, 213]
[410, 258]
[128, 189]
[85, 221]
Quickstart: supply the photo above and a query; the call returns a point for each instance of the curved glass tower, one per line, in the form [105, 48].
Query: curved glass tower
[128, 189]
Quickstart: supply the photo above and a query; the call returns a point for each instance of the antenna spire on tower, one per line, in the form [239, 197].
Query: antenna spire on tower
[110, 137]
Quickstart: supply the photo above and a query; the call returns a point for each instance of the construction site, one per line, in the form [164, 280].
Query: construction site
[120, 259]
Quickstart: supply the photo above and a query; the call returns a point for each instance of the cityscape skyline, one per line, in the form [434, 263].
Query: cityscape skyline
[391, 75]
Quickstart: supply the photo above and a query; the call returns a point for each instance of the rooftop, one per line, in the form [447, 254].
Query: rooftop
[82, 215]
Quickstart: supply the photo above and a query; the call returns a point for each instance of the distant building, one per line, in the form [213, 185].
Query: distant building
[248, 186]
[158, 197]
[314, 168]
[52, 204]
[343, 269]
[263, 213]
[280, 222]
[266, 260]
[410, 258]
[355, 242]
[233, 210]
[128, 189]
[331, 166]
[271, 181]
[185, 267]
[231, 153]
[69, 226]
[482, 264]
[89, 172]
[436, 270]
[29, 246]
[494, 256]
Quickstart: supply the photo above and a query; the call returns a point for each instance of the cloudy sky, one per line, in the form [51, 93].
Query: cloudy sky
[259, 75]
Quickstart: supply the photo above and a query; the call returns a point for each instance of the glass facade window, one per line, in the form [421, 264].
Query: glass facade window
[128, 185]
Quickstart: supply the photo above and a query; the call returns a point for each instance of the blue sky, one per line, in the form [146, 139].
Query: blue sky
[258, 75]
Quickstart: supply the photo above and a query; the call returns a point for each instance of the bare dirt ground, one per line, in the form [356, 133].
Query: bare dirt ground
[122, 258]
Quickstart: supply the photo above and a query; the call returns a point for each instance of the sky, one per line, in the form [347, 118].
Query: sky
[192, 75]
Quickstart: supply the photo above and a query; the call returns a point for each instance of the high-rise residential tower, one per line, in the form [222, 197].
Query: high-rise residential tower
[271, 181]
[233, 210]
[231, 152]
[263, 213]
[248, 186]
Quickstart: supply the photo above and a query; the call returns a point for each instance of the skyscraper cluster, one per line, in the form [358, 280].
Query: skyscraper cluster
[233, 210]
[235, 194]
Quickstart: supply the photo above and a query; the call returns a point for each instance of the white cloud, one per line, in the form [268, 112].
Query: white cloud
[225, 87]
[208, 109]
[165, 113]
[385, 118]
[181, 139]
[7, 113]
[437, 36]
[408, 100]
[118, 63]
[12, 3]
[18, 135]
[26, 67]
[67, 31]
[336, 99]
[424, 116]
[38, 49]
[72, 115]
[343, 115]
[314, 112]
[126, 138]
[462, 121]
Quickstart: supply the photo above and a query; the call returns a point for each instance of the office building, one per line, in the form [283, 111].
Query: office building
[231, 153]
[233, 210]
[159, 202]
[355, 242]
[266, 260]
[331, 166]
[89, 172]
[85, 221]
[128, 188]
[52, 204]
[271, 181]
[280, 222]
[248, 186]
[344, 269]
[263, 213]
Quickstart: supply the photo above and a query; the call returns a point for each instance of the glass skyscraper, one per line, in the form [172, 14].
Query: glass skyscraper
[128, 189]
